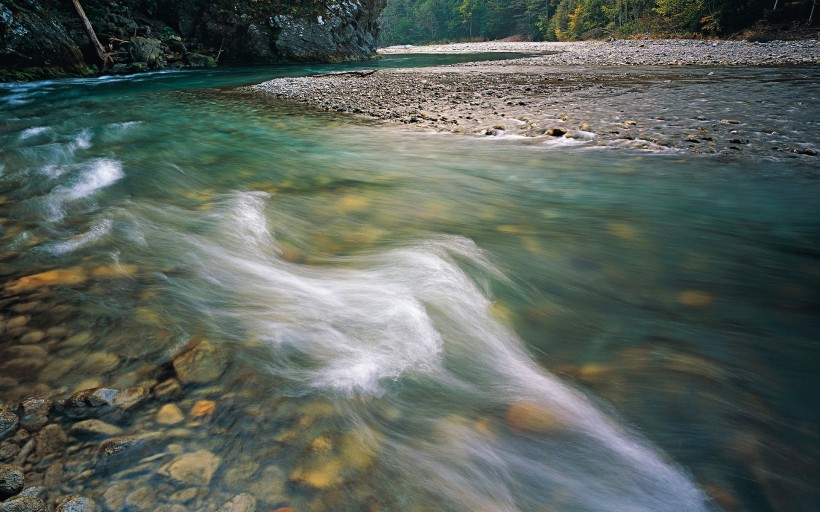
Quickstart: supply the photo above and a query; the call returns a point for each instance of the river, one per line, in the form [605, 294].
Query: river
[401, 321]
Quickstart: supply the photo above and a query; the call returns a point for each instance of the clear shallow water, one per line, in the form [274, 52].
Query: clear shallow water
[409, 321]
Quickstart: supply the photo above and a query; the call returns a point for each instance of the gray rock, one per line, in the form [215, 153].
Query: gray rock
[148, 50]
[11, 480]
[36, 491]
[8, 423]
[77, 504]
[23, 504]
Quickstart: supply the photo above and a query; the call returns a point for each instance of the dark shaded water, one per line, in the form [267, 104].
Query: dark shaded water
[405, 321]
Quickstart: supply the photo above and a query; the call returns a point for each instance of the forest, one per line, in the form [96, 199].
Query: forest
[424, 21]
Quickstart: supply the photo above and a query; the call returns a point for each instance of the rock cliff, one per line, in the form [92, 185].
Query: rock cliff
[46, 38]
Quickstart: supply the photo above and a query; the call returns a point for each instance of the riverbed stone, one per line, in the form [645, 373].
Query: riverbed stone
[22, 367]
[170, 414]
[201, 364]
[529, 416]
[167, 389]
[11, 480]
[195, 468]
[102, 399]
[51, 439]
[8, 423]
[141, 499]
[94, 427]
[77, 503]
[23, 504]
[240, 503]
[34, 415]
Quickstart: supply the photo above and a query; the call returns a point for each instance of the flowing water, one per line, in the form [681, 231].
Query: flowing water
[400, 321]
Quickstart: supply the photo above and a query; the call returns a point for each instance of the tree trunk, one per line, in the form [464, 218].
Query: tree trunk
[105, 58]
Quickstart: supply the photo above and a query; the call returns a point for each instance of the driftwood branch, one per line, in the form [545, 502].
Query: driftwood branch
[352, 73]
[104, 57]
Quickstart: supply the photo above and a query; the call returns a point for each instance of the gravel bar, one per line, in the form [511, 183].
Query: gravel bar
[640, 94]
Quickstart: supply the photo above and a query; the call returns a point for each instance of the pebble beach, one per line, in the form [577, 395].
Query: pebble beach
[594, 93]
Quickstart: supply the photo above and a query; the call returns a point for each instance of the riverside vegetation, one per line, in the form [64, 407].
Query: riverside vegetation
[425, 21]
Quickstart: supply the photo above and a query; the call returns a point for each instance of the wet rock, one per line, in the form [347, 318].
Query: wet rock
[77, 504]
[32, 337]
[185, 495]
[8, 423]
[167, 390]
[50, 439]
[23, 504]
[95, 428]
[241, 503]
[100, 362]
[8, 452]
[170, 414]
[196, 468]
[203, 409]
[114, 451]
[57, 277]
[34, 415]
[103, 399]
[22, 367]
[11, 480]
[36, 491]
[556, 132]
[201, 364]
[54, 475]
[142, 499]
[114, 496]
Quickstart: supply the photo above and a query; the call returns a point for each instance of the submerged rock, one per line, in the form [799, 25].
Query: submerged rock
[201, 364]
[102, 399]
[95, 428]
[196, 468]
[241, 503]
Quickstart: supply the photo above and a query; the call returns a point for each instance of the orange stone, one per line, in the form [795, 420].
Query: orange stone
[60, 276]
[203, 408]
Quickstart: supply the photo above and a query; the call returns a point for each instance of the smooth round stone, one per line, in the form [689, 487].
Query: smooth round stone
[170, 414]
[100, 362]
[33, 337]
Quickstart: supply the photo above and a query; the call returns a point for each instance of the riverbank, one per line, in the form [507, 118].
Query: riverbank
[594, 93]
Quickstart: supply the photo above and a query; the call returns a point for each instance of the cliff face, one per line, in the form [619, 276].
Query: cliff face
[45, 38]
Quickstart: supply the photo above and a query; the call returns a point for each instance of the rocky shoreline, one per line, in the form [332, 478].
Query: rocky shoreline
[588, 93]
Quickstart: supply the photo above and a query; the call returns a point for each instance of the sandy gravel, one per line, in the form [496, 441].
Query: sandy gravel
[572, 98]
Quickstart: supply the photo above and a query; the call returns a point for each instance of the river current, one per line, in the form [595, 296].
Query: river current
[402, 321]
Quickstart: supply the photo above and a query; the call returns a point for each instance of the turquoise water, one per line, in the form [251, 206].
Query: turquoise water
[408, 321]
